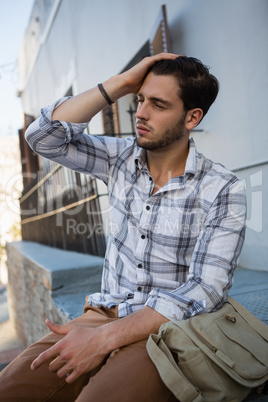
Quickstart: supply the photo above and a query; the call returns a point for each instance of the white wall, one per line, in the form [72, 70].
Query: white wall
[255, 251]
[90, 40]
[231, 36]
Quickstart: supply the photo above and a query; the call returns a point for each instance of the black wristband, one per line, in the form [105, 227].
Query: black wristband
[104, 94]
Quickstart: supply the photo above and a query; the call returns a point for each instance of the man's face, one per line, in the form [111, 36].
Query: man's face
[160, 117]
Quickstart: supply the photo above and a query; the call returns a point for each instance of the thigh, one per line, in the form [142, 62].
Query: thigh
[18, 382]
[128, 375]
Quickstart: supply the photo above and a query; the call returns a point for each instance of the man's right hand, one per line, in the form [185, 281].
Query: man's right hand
[134, 77]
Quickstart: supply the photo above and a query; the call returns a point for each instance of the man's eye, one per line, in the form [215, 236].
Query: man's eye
[159, 106]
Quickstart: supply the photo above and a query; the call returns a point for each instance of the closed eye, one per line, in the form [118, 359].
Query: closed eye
[159, 106]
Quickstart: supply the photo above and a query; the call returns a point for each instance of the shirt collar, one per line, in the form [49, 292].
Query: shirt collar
[140, 158]
[190, 167]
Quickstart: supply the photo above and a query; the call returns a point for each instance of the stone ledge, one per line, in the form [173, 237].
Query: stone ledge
[47, 282]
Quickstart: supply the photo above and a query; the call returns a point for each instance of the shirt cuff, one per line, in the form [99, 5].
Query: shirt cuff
[163, 303]
[164, 307]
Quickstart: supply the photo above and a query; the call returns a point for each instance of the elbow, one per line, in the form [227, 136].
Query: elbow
[30, 134]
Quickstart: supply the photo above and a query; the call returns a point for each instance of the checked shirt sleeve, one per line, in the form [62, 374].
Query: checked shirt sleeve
[213, 261]
[66, 144]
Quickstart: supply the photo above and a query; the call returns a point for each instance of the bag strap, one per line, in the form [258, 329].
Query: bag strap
[169, 372]
[258, 325]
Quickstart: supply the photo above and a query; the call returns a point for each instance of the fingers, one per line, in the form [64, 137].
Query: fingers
[60, 355]
[161, 56]
[73, 354]
[71, 377]
[149, 61]
[57, 364]
[43, 357]
[164, 55]
[55, 350]
[135, 76]
[70, 372]
[56, 328]
[63, 368]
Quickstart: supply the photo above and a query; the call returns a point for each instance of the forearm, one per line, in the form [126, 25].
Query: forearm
[83, 107]
[132, 328]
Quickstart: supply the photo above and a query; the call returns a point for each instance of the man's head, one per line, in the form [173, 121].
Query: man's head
[174, 97]
[197, 87]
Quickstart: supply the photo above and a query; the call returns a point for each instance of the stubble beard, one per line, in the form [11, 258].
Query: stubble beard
[169, 136]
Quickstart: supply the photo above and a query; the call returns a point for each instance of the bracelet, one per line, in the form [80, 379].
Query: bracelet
[105, 95]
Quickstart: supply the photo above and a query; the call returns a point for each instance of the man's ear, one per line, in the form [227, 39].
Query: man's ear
[193, 118]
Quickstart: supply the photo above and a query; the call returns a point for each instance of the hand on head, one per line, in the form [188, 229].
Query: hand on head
[135, 76]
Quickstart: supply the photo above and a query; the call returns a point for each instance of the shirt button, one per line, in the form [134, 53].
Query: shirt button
[142, 236]
[139, 288]
[139, 265]
[147, 207]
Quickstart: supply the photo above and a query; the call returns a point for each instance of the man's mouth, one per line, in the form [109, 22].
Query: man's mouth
[142, 130]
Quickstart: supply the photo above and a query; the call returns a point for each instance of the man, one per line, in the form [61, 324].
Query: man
[177, 220]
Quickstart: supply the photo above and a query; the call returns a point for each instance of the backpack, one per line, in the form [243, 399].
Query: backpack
[219, 356]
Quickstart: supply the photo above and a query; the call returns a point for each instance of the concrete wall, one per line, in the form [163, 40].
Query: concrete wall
[255, 251]
[45, 282]
[84, 42]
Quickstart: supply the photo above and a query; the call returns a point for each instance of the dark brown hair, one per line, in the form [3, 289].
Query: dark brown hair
[198, 88]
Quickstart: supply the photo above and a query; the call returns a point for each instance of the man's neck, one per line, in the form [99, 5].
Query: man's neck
[164, 164]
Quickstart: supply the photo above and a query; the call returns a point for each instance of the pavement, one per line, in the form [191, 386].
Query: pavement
[250, 288]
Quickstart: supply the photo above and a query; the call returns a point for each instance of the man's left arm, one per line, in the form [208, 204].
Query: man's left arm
[213, 261]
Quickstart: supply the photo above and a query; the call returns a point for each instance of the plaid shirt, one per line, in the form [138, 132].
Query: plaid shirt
[174, 251]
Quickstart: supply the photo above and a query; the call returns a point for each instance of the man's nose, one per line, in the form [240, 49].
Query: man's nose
[142, 112]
